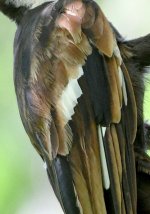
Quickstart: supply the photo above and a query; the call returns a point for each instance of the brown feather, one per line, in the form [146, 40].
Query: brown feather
[100, 29]
[87, 149]
[115, 173]
[54, 62]
[115, 98]
[132, 109]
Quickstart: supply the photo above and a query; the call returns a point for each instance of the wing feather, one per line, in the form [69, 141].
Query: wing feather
[65, 131]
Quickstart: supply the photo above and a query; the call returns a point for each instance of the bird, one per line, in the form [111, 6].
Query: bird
[80, 90]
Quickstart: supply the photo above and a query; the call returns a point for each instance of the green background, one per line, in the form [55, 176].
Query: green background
[24, 187]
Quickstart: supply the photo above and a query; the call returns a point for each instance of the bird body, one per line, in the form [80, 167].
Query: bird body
[76, 100]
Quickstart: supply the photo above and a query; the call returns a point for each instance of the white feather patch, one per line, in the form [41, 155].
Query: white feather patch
[105, 174]
[120, 75]
[103, 131]
[70, 95]
[117, 53]
[124, 90]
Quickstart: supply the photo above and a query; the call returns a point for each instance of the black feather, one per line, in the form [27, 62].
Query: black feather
[65, 182]
[96, 74]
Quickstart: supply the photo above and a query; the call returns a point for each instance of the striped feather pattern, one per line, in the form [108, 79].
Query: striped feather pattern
[78, 107]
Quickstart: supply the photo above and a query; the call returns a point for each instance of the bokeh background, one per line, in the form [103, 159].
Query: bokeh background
[24, 187]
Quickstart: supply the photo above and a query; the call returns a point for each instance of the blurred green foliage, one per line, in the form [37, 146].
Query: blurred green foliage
[14, 177]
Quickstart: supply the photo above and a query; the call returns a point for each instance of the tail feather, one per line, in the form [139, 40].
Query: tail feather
[60, 176]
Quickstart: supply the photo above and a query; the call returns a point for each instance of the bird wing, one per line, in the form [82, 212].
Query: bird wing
[77, 105]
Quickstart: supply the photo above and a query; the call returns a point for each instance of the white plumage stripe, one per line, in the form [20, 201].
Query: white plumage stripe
[106, 179]
[103, 131]
[124, 90]
[117, 53]
[120, 75]
[70, 95]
